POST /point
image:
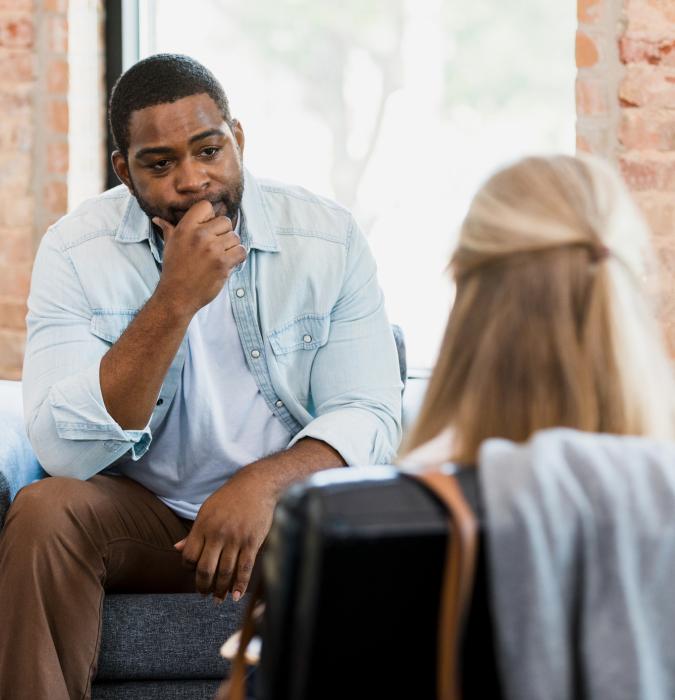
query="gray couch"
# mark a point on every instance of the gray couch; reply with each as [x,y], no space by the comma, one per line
[153,645]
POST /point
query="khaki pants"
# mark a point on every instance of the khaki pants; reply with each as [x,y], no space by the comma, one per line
[64,543]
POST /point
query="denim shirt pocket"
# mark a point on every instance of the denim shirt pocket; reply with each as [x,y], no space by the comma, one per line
[295,345]
[307,332]
[109,325]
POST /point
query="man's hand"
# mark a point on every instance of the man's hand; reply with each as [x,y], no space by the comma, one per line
[199,254]
[228,532]
[234,521]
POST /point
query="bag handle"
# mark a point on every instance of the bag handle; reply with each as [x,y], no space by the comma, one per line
[236,686]
[458,576]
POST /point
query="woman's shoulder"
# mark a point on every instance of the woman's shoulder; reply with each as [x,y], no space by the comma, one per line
[436,451]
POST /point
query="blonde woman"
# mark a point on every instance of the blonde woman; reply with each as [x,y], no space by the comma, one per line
[552,323]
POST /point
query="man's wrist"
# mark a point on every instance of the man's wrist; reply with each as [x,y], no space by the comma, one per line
[279,471]
[175,310]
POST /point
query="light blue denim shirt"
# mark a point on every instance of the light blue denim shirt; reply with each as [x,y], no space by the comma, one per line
[307,305]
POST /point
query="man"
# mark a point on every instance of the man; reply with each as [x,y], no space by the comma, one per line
[197,341]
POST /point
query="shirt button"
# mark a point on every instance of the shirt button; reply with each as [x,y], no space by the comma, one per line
[240,292]
[160,402]
[279,403]
[307,338]
[255,354]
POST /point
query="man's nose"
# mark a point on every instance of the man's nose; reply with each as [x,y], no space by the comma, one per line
[191,176]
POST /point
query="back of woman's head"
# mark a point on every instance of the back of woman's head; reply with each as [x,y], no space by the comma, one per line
[552,323]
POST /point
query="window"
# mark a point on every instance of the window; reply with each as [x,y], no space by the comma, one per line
[399,109]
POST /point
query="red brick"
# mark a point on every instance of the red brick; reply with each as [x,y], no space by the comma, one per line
[655,171]
[589,11]
[56,197]
[655,17]
[58,34]
[15,170]
[18,66]
[591,97]
[57,116]
[13,314]
[15,98]
[16,245]
[641,50]
[57,76]
[16,135]
[659,210]
[16,32]
[60,6]
[586,51]
[16,209]
[57,158]
[647,129]
[644,85]
[15,281]
[16,5]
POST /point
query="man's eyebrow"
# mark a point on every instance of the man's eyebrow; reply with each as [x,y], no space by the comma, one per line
[206,134]
[159,150]
[163,150]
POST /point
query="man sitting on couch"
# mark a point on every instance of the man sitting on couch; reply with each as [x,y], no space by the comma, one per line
[198,340]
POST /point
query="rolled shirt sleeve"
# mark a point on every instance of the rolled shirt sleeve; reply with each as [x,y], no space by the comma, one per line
[68,425]
[355,380]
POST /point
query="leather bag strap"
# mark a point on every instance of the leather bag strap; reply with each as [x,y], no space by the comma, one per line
[237,682]
[458,577]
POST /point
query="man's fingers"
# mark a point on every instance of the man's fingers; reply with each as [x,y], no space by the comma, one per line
[207,567]
[218,226]
[234,256]
[180,545]
[229,240]
[199,213]
[243,574]
[192,550]
[165,226]
[226,568]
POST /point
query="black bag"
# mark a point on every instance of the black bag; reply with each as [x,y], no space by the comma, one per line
[353,574]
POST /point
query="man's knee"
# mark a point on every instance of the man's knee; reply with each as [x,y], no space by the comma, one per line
[50,506]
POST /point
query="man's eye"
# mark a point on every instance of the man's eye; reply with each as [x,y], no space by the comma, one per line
[160,164]
[210,151]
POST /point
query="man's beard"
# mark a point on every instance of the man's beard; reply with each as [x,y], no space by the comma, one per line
[226,202]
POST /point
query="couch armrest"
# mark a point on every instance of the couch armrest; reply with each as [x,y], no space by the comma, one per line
[18,464]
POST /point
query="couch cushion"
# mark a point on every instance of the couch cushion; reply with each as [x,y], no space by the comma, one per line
[156,690]
[164,636]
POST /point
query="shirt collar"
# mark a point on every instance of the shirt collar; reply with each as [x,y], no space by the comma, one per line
[253,224]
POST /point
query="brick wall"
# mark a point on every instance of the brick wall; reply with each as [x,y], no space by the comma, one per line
[626,112]
[646,135]
[36,60]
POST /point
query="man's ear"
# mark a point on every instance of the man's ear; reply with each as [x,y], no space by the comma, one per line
[119,163]
[238,134]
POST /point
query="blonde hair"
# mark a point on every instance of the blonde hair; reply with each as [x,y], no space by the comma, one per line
[552,323]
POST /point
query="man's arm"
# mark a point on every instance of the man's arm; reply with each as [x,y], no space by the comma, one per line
[85,401]
[234,521]
[199,255]
[355,381]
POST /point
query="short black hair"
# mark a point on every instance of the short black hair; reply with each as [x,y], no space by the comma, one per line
[159,79]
